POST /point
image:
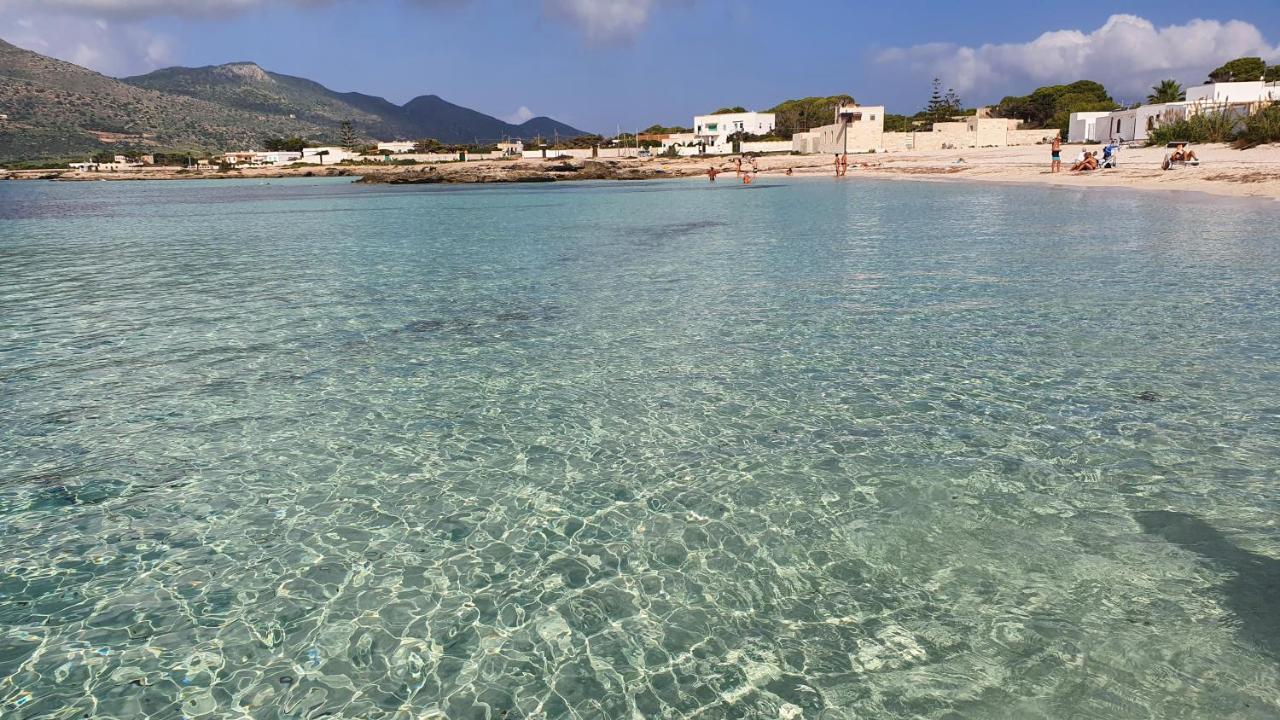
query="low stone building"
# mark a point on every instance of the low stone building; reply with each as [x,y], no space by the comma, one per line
[860,129]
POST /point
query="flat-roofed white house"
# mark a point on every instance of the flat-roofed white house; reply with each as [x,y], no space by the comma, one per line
[1136,124]
[856,129]
[1234,92]
[1084,126]
[714,130]
[514,148]
[277,157]
[326,155]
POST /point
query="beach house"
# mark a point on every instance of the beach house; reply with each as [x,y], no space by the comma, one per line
[326,155]
[860,129]
[1083,126]
[1136,124]
[1234,93]
[715,130]
[854,129]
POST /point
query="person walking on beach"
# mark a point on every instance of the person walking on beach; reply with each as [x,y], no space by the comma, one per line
[837,164]
[844,164]
[1056,165]
[737,163]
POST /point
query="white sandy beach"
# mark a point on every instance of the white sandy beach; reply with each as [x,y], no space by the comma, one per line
[1224,171]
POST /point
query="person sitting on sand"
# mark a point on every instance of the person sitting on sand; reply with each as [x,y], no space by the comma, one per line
[1090,162]
[788,173]
[1182,154]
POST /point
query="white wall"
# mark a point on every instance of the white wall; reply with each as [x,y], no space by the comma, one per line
[767,146]
[1083,127]
[586,153]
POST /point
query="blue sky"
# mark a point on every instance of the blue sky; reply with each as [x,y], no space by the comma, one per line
[601,64]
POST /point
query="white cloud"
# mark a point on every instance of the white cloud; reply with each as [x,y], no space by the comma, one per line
[1128,54]
[603,20]
[108,47]
[524,114]
[152,8]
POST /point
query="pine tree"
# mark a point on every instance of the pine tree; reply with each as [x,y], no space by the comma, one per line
[937,103]
[953,102]
[941,105]
[348,135]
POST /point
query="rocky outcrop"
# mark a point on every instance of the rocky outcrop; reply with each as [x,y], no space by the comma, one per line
[525,172]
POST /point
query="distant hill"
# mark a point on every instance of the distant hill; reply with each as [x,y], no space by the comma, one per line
[59,109]
[56,108]
[246,86]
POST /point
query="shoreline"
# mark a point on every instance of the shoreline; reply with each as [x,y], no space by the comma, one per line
[1224,172]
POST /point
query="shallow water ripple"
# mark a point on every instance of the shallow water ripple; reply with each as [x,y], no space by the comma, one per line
[663,450]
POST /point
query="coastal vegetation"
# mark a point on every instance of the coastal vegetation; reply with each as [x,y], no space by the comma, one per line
[1166,92]
[799,115]
[1246,69]
[942,106]
[1259,127]
[1051,106]
[290,144]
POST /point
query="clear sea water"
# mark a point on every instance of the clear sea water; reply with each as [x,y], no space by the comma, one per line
[812,449]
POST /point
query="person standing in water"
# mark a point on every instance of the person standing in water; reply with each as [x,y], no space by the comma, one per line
[844,164]
[837,164]
[712,172]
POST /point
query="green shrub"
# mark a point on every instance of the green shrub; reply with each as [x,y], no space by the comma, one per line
[1214,126]
[1260,128]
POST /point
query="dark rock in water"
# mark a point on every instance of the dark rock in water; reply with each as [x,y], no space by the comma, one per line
[425,326]
[1148,396]
[513,317]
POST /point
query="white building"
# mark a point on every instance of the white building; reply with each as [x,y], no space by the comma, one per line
[325,155]
[281,157]
[1136,124]
[714,130]
[1234,92]
[1083,127]
[856,129]
[399,146]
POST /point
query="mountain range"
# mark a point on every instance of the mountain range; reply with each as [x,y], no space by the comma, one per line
[57,109]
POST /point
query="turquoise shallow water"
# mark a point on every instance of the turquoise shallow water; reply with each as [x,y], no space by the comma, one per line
[811,450]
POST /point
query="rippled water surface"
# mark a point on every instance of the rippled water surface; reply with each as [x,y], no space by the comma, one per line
[811,450]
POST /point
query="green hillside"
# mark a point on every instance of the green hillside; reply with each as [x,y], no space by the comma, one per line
[56,110]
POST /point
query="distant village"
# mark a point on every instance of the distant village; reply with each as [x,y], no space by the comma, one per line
[853,128]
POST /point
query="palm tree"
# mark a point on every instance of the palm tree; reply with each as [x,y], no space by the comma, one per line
[1166,92]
